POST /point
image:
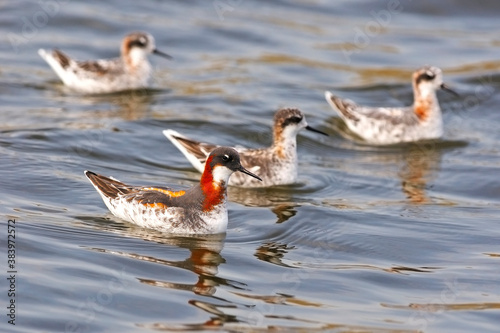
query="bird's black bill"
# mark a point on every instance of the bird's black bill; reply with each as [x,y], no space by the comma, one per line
[242,169]
[309,128]
[161,54]
[448,89]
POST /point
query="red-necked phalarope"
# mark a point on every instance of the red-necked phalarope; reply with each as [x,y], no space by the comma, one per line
[130,71]
[277,164]
[200,209]
[381,126]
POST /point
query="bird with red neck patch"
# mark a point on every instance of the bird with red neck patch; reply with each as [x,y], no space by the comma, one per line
[277,164]
[130,71]
[391,125]
[200,209]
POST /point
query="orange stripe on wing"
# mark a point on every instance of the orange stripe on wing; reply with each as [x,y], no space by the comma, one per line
[157,205]
[167,192]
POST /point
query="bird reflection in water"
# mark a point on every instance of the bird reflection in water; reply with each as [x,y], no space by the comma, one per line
[421,162]
[204,261]
[127,105]
[278,199]
[273,252]
[134,105]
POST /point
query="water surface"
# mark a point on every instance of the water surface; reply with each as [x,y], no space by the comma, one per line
[371,239]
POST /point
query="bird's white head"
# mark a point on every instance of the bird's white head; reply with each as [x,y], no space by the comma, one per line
[289,122]
[427,80]
[137,45]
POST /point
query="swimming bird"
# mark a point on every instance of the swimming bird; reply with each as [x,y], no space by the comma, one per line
[200,209]
[390,125]
[277,165]
[131,70]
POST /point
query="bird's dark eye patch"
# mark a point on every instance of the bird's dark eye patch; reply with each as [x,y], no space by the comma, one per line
[292,120]
[226,158]
[427,76]
[140,42]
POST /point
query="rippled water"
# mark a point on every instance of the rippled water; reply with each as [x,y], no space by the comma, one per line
[395,239]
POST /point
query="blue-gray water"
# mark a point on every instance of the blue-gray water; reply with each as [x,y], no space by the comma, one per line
[398,239]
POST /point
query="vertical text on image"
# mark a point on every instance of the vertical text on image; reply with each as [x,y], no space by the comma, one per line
[11,271]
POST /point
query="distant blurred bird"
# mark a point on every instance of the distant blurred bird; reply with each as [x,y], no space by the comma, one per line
[131,70]
[277,165]
[384,125]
